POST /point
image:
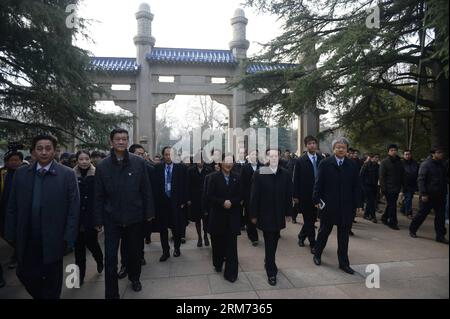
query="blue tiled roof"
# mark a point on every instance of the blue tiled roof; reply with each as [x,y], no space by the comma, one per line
[265,67]
[176,55]
[184,56]
[113,64]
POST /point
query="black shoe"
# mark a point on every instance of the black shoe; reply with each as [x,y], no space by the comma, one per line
[384,222]
[374,220]
[148,241]
[317,260]
[231,279]
[351,233]
[12,264]
[347,269]
[412,234]
[176,253]
[100,267]
[313,250]
[206,239]
[136,285]
[218,269]
[164,256]
[394,227]
[255,243]
[2,283]
[183,240]
[301,242]
[143,262]
[199,243]
[442,240]
[294,221]
[272,281]
[354,221]
[122,272]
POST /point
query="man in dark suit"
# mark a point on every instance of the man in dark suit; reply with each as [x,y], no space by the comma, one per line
[138,150]
[224,197]
[171,183]
[304,179]
[246,182]
[42,218]
[123,201]
[270,206]
[337,192]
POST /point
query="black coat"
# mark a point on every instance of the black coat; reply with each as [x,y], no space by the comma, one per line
[60,204]
[176,217]
[221,220]
[392,175]
[195,186]
[369,175]
[123,192]
[411,173]
[246,181]
[433,178]
[86,186]
[340,189]
[304,182]
[271,198]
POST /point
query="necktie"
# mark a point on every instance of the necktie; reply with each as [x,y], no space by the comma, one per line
[340,162]
[227,179]
[42,171]
[168,180]
[314,165]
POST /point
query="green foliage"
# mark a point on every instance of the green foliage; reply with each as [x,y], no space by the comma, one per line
[44,86]
[342,64]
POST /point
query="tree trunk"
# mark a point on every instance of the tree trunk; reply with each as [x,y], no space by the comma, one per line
[439,114]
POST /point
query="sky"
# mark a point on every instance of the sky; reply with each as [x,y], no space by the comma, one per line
[203,24]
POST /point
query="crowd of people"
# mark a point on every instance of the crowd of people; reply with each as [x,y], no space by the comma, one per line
[53,204]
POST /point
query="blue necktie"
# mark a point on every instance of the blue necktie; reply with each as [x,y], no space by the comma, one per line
[340,162]
[227,179]
[314,165]
[168,180]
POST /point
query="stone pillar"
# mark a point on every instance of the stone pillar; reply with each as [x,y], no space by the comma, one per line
[145,109]
[308,124]
[239,46]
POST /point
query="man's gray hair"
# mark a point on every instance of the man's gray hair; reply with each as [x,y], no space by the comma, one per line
[340,140]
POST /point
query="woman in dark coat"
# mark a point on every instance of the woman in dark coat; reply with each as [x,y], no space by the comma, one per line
[196,180]
[270,206]
[224,197]
[87,234]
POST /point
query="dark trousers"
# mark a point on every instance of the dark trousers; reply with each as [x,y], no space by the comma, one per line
[295,211]
[198,226]
[370,195]
[42,281]
[224,249]
[131,237]
[87,239]
[436,202]
[252,232]
[243,217]
[390,213]
[342,238]
[148,230]
[308,230]
[177,230]
[270,245]
[407,203]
